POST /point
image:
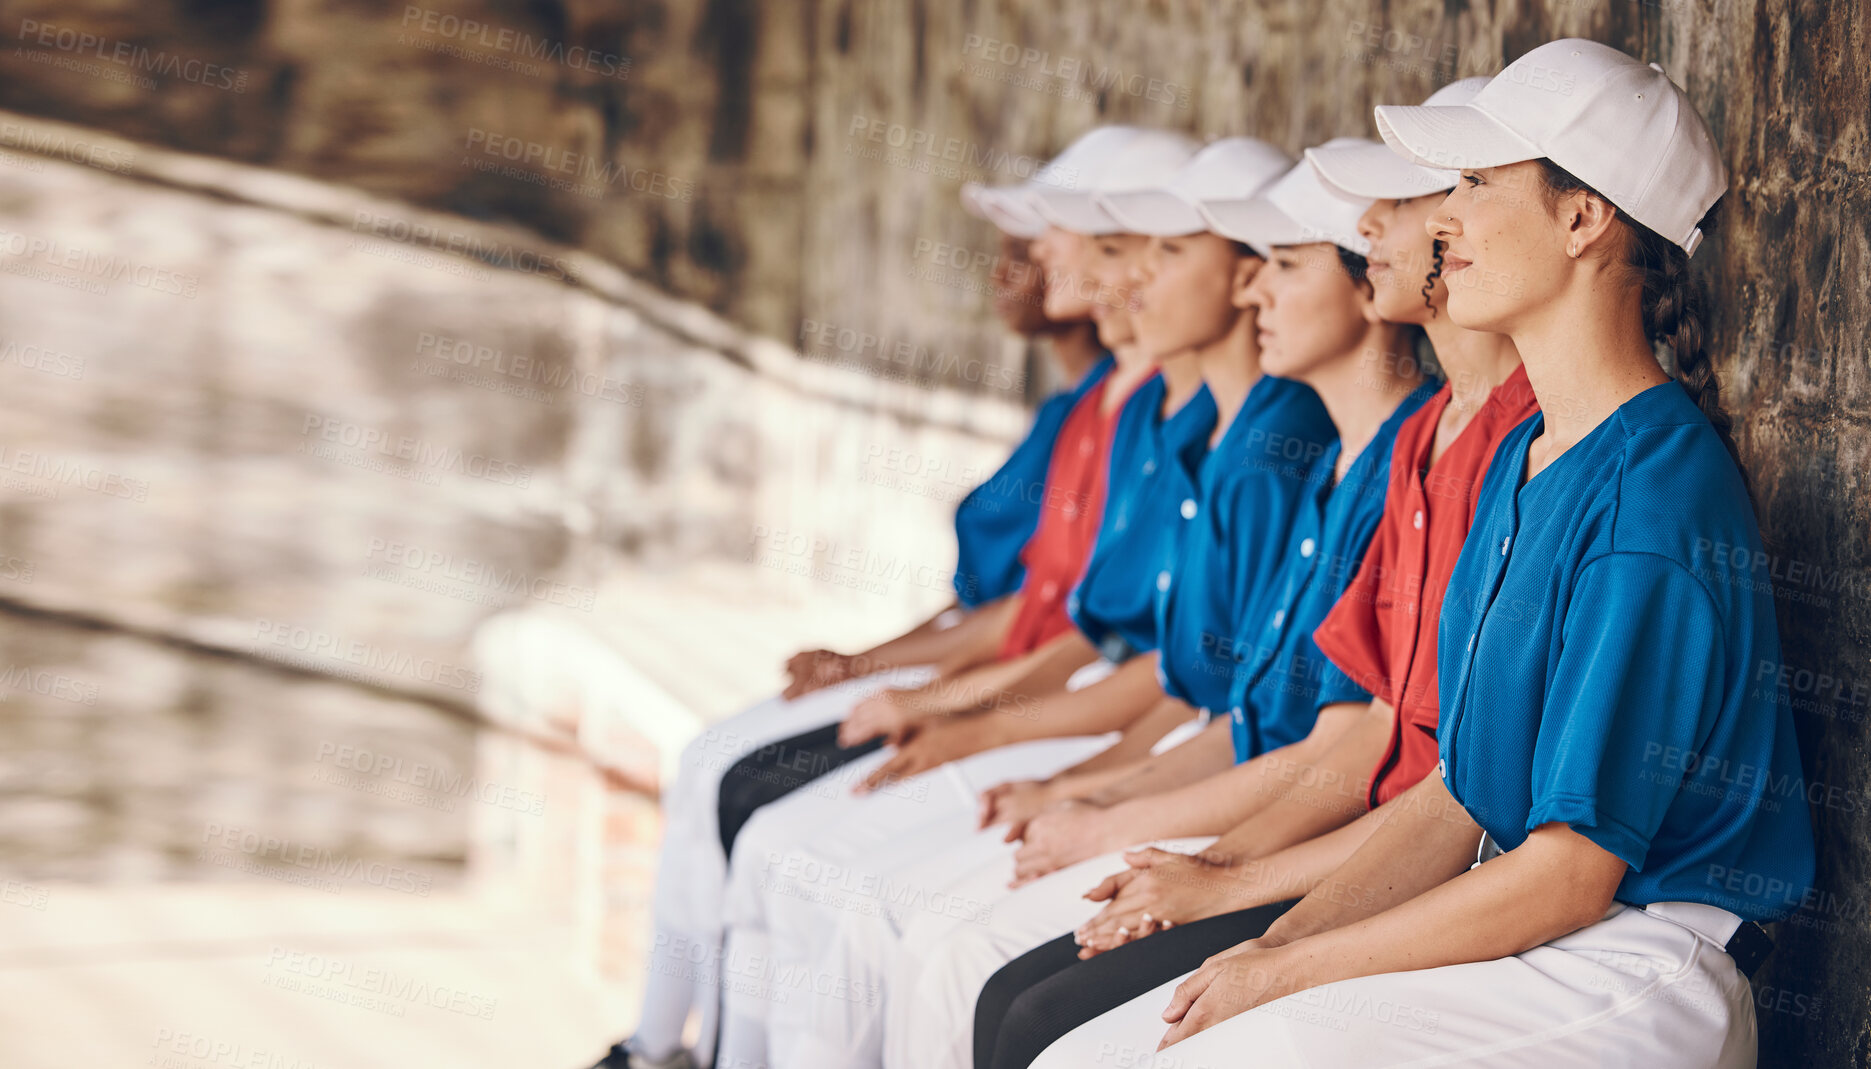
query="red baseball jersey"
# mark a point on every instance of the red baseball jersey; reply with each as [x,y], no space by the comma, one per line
[1068,523]
[1382,632]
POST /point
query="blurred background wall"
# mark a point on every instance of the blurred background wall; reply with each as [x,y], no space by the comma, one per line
[331,332]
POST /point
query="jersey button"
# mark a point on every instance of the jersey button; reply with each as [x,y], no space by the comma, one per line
[1084,447]
[1071,511]
[1162,580]
[1306,547]
[1049,590]
[1071,604]
[1238,713]
[1188,508]
[1149,466]
[1442,770]
[1417,521]
[1471,643]
[1279,617]
[1504,543]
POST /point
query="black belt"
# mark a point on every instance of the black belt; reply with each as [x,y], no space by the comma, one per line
[1749,946]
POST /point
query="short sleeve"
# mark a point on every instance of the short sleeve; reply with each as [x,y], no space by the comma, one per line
[1352,635]
[1638,683]
[1335,686]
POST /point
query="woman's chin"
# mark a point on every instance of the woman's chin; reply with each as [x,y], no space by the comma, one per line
[1470,312]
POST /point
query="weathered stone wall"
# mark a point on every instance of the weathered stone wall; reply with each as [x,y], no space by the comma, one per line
[733,163]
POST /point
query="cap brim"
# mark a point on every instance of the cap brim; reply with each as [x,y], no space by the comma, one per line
[1375,172]
[1074,211]
[1451,138]
[1004,208]
[1156,212]
[1261,226]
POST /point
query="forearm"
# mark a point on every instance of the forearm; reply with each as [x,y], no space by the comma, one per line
[1220,803]
[1112,704]
[1302,869]
[1043,673]
[976,640]
[1124,758]
[926,643]
[1553,884]
[1125,755]
[965,690]
[1301,794]
[1421,839]
[1207,753]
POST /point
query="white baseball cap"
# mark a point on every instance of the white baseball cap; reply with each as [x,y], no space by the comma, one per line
[1009,208]
[1367,170]
[1296,209]
[997,204]
[1116,159]
[1231,168]
[1619,125]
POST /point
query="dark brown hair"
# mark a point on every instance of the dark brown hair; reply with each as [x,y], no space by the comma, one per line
[1436,249]
[1675,303]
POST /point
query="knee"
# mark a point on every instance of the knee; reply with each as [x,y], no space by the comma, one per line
[1009,988]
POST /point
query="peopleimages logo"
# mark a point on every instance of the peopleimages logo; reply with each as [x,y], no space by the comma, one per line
[64,471]
[503,39]
[41,359]
[528,369]
[423,458]
[139,58]
[313,650]
[391,990]
[953,152]
[77,149]
[1040,67]
[315,860]
[48,684]
[193,1050]
[430,777]
[478,574]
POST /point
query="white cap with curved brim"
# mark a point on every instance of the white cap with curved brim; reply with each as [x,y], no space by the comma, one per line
[1233,167]
[1125,158]
[1296,209]
[1619,125]
[1369,170]
[1014,208]
[997,204]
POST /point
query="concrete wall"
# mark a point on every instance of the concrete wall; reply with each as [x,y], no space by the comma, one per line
[732,163]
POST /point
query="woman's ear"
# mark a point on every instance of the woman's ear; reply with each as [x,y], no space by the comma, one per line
[1245,268]
[1587,220]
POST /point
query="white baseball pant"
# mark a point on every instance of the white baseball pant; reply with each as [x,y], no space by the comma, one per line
[1646,988]
[682,973]
[805,860]
[933,1027]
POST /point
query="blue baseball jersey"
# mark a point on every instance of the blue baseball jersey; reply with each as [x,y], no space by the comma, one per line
[993,523]
[1603,664]
[1114,603]
[1240,501]
[1283,680]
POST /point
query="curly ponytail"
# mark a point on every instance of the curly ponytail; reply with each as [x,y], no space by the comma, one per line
[1675,305]
[1437,248]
